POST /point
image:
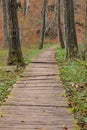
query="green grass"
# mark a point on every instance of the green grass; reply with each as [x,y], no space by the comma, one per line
[8,78]
[73,73]
[3,57]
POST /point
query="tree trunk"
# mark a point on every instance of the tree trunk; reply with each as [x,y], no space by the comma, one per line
[4,22]
[84,39]
[15,54]
[18,3]
[60,36]
[46,17]
[43,25]
[28,6]
[54,17]
[70,32]
[85,44]
[25,5]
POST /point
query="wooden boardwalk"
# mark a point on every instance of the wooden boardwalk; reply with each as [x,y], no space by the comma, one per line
[37,101]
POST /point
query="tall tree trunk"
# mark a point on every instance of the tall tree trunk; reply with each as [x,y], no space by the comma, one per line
[28,6]
[15,54]
[85,44]
[4,22]
[60,36]
[43,25]
[46,17]
[54,17]
[84,40]
[25,5]
[70,32]
[18,3]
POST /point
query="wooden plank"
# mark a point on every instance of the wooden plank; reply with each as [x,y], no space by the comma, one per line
[37,101]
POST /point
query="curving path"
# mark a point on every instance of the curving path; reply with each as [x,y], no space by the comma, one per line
[37,101]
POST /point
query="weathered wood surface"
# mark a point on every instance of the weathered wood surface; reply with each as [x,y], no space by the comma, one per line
[37,101]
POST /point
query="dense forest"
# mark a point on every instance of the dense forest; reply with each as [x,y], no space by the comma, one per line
[28,27]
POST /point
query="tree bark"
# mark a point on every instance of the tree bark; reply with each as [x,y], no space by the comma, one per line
[28,6]
[43,25]
[18,3]
[25,5]
[4,22]
[70,32]
[15,54]
[84,39]
[60,36]
[46,17]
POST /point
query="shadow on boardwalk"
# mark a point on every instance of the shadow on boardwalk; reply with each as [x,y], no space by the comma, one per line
[37,101]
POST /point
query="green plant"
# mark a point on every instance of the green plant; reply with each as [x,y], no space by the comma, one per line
[73,73]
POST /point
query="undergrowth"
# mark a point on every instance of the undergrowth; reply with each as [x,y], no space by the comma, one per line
[9,76]
[73,73]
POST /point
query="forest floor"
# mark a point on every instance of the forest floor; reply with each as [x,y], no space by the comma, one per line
[38,100]
[73,73]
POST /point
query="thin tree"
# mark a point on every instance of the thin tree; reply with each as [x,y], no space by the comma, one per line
[54,21]
[18,3]
[43,24]
[15,54]
[4,22]
[25,7]
[28,6]
[46,17]
[60,35]
[70,31]
[85,44]
[85,35]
